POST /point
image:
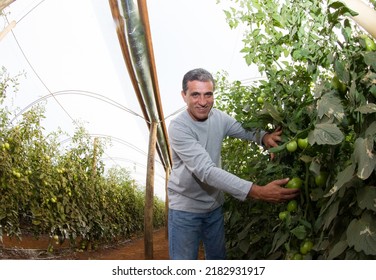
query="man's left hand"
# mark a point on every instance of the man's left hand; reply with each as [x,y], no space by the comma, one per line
[272,139]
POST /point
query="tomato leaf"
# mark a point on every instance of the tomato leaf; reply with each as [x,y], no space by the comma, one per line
[244,246]
[341,72]
[364,157]
[306,158]
[331,214]
[371,130]
[330,106]
[338,249]
[271,111]
[300,232]
[370,59]
[279,239]
[337,5]
[367,198]
[305,223]
[367,109]
[342,178]
[362,234]
[326,134]
[316,194]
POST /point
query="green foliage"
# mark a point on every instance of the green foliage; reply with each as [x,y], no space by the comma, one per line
[46,188]
[320,83]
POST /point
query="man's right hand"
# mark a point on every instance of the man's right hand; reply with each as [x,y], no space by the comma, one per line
[273,191]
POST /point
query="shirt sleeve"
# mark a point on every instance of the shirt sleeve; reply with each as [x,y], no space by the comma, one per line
[235,129]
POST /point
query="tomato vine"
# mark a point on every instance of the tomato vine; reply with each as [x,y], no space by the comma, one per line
[301,47]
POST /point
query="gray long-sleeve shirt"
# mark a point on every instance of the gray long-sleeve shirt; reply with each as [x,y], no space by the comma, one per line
[197,183]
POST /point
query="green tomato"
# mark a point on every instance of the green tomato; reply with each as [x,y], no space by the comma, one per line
[294,183]
[370,44]
[283,215]
[297,256]
[321,178]
[303,143]
[291,146]
[306,247]
[338,85]
[16,173]
[292,206]
[260,100]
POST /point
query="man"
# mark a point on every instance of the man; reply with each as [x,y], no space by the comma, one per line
[197,183]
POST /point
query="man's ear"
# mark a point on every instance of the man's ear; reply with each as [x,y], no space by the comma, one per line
[184,95]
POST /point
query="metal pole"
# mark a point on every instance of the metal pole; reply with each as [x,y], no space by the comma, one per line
[5,3]
[366,17]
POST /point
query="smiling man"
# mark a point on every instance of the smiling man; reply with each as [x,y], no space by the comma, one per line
[197,183]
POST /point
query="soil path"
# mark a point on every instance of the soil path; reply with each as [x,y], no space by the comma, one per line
[29,248]
[132,250]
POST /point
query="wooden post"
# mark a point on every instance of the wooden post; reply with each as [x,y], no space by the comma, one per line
[149,193]
[166,201]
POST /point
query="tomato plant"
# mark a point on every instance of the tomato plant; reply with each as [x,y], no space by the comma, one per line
[319,85]
[63,192]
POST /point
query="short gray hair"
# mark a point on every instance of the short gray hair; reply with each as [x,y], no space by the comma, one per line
[197,74]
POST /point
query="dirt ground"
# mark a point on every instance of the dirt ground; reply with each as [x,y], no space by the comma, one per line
[30,248]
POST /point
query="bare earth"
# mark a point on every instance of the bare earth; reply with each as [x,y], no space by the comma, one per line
[30,248]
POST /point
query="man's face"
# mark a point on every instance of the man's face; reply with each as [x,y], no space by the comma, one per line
[199,98]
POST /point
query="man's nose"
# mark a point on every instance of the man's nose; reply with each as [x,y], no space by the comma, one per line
[202,100]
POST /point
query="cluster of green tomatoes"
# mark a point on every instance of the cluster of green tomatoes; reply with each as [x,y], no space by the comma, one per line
[302,143]
[292,206]
[297,183]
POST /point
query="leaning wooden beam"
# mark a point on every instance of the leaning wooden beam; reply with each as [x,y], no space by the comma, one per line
[7,29]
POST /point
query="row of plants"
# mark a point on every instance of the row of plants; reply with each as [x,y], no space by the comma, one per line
[51,187]
[320,88]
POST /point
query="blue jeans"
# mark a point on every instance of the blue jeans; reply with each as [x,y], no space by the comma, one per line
[186,230]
